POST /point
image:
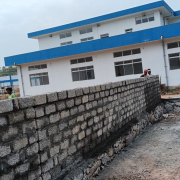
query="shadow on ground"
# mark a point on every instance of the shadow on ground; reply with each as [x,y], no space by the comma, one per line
[155,154]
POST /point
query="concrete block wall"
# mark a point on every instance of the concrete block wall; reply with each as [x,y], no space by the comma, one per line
[46,135]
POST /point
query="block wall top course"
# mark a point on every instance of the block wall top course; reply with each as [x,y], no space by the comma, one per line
[38,100]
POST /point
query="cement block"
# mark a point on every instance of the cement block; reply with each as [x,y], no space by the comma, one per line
[62,95]
[11,132]
[54,118]
[3,121]
[71,93]
[33,149]
[26,102]
[20,143]
[50,109]
[22,169]
[39,112]
[4,150]
[13,159]
[40,99]
[79,92]
[6,106]
[52,97]
[30,113]
[61,105]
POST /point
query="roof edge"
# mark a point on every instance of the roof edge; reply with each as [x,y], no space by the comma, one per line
[101,18]
[168,31]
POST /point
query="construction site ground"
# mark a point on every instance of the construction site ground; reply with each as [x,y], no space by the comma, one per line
[155,154]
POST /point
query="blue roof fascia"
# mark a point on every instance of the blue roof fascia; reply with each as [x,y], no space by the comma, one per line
[169,8]
[177,13]
[101,18]
[137,37]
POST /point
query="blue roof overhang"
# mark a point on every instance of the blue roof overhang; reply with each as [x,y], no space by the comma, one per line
[137,37]
[98,19]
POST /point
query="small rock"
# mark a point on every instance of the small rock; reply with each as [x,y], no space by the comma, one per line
[169,107]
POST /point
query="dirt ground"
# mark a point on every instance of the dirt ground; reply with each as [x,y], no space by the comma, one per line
[155,154]
[170,96]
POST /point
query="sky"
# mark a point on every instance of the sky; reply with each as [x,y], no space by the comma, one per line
[19,17]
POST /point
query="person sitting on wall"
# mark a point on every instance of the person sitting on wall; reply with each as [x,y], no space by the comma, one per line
[9,91]
[145,73]
[149,73]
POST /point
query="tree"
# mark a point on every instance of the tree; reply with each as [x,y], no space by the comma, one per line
[8,71]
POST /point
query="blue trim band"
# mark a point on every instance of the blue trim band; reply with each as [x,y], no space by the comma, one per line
[12,80]
[177,13]
[147,35]
[102,18]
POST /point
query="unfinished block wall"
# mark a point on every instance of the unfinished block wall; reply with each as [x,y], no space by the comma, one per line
[43,136]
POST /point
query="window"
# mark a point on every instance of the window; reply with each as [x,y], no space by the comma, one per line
[127,53]
[104,35]
[39,79]
[66,43]
[42,66]
[151,17]
[128,30]
[138,20]
[144,18]
[125,68]
[81,60]
[83,73]
[173,45]
[65,35]
[87,39]
[84,31]
[174,61]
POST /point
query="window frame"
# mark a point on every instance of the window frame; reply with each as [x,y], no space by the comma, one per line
[40,65]
[87,39]
[126,63]
[82,69]
[130,30]
[174,57]
[102,36]
[39,75]
[122,52]
[85,60]
[148,16]
[86,30]
[65,35]
[173,43]
[66,43]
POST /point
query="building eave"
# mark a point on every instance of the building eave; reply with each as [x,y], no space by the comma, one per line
[148,35]
[98,19]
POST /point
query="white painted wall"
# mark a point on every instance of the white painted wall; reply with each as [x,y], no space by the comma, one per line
[60,77]
[174,20]
[113,27]
[173,75]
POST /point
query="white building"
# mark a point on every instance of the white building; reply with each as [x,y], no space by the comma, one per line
[103,49]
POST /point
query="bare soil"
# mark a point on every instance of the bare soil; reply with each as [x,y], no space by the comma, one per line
[155,154]
[170,96]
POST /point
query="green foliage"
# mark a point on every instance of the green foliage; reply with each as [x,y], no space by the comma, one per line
[8,71]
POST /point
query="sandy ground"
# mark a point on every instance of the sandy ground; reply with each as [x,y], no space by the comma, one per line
[170,96]
[155,154]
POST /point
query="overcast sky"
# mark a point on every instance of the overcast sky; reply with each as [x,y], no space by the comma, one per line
[19,17]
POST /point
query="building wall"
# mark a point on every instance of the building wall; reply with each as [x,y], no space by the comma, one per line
[174,20]
[113,27]
[45,136]
[173,75]
[60,76]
